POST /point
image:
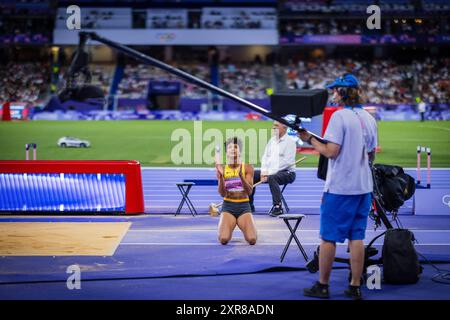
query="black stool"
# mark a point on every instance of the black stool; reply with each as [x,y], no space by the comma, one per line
[298,218]
[185,194]
[285,205]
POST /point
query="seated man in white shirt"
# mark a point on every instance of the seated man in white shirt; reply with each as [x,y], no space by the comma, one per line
[277,166]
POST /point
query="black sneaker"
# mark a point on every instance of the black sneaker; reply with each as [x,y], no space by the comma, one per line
[318,290]
[276,211]
[354,292]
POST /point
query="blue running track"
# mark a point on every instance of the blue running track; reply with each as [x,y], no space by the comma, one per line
[303,196]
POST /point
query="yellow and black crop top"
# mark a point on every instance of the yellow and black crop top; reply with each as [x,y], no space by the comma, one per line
[233,182]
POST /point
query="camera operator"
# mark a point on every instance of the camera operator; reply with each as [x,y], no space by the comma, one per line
[352,137]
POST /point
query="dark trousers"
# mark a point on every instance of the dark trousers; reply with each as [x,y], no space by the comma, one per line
[274,181]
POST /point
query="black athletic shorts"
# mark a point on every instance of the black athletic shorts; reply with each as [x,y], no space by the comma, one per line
[236,208]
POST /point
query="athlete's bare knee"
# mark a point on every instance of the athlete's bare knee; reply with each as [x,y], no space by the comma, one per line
[251,239]
[224,239]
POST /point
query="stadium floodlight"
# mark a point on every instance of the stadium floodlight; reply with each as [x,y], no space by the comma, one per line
[80,58]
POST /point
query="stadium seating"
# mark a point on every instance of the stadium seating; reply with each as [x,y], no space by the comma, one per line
[436,6]
[428,26]
[247,81]
[167,18]
[383,81]
[396,6]
[238,18]
[24,82]
[102,75]
[98,18]
[352,6]
[35,28]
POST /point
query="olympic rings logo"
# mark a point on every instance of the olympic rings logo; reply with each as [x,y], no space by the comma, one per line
[166,37]
[446,200]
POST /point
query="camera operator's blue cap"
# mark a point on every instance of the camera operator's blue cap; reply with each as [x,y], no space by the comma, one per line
[347,80]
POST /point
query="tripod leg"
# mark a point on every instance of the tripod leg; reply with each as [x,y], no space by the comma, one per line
[381,213]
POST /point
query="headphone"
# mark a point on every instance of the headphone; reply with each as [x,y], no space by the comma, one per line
[343,92]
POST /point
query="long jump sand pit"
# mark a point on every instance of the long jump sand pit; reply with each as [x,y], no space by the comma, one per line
[61,238]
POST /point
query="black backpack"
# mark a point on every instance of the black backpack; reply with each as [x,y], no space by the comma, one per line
[400,260]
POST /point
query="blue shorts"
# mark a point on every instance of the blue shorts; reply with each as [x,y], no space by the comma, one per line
[344,216]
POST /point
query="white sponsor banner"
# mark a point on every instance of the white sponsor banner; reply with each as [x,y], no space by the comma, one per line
[174,36]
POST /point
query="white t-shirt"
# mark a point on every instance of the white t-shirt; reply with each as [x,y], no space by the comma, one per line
[422,107]
[349,173]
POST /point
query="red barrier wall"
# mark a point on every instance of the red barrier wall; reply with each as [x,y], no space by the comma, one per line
[134,198]
[327,112]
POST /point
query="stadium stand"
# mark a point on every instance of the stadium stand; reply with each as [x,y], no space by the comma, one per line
[383,81]
[396,6]
[239,18]
[26,23]
[248,81]
[428,26]
[349,6]
[98,18]
[400,84]
[320,26]
[24,82]
[436,6]
[102,75]
[167,19]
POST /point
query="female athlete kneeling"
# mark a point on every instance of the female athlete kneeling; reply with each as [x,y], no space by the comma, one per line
[235,186]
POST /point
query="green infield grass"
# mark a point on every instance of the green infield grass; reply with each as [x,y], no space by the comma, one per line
[153,142]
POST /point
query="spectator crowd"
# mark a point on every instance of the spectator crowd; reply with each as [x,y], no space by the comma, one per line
[383,81]
[396,26]
[24,82]
[247,81]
